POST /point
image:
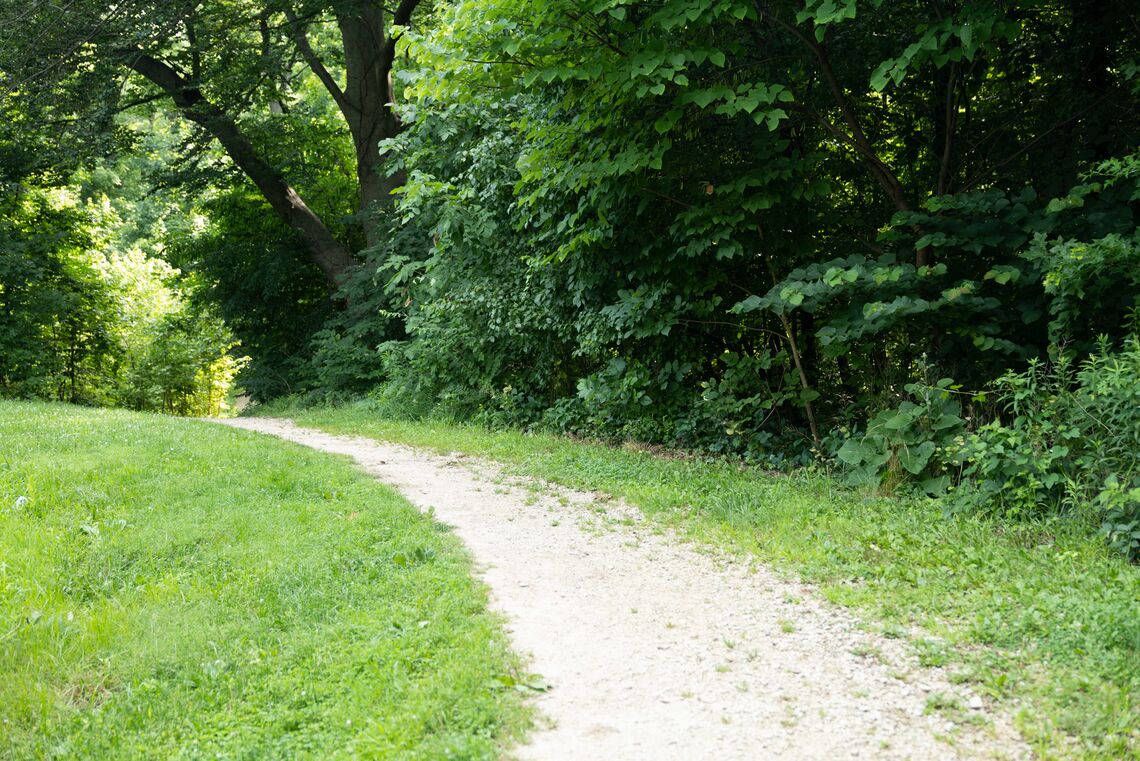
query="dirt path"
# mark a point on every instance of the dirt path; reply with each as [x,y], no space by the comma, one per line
[656,651]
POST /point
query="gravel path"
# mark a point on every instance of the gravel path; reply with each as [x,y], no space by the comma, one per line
[655,650]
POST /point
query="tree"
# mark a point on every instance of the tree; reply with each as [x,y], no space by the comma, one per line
[57,311]
[750,201]
[219,65]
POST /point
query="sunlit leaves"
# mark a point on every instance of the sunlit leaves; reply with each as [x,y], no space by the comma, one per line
[947,40]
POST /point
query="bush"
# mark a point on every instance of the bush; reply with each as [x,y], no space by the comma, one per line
[1071,446]
[187,367]
[908,443]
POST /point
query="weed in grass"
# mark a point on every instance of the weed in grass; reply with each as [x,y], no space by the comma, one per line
[942,702]
[893,631]
[868,651]
[960,677]
[931,653]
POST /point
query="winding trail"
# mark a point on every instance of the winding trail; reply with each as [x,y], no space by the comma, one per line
[658,651]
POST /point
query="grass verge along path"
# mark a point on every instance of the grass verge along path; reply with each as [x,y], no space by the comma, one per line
[172,588]
[1034,614]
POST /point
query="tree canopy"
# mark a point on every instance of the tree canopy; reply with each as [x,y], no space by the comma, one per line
[788,230]
[218,65]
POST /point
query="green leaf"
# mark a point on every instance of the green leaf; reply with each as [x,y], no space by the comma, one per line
[792,296]
[947,420]
[879,79]
[854,452]
[703,97]
[914,459]
[667,121]
[935,486]
[899,420]
[774,117]
[750,304]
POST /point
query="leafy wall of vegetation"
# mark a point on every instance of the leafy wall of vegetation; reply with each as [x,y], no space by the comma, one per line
[93,312]
[897,234]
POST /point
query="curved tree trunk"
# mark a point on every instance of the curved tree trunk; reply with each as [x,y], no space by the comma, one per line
[367,97]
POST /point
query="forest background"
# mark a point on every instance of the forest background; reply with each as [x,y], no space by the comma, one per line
[897,238]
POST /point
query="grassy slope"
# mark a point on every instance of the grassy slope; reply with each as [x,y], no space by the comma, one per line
[1038,616]
[175,589]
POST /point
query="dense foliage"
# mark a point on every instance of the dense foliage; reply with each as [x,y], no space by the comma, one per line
[92,313]
[782,230]
[771,228]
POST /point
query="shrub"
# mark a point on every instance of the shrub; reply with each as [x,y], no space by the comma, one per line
[1071,446]
[186,368]
[908,443]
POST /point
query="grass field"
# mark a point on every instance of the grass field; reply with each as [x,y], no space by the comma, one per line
[1038,615]
[174,589]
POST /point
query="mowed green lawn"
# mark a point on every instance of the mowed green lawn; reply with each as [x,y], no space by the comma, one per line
[175,589]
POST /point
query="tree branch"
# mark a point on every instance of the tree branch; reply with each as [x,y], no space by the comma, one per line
[404,12]
[195,52]
[951,117]
[859,141]
[401,17]
[324,250]
[1025,148]
[301,40]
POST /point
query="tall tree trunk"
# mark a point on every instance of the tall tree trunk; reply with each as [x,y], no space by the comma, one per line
[367,98]
[368,91]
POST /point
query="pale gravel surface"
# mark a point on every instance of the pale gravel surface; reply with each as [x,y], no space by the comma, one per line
[657,650]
